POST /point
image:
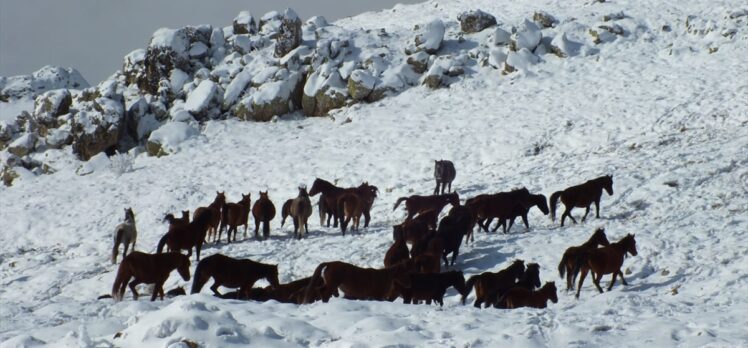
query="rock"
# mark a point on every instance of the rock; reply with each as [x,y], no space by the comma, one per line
[419,62]
[520,60]
[198,50]
[167,138]
[235,89]
[324,90]
[8,175]
[316,22]
[24,145]
[527,36]
[430,37]
[455,71]
[204,102]
[97,123]
[544,19]
[50,105]
[433,79]
[475,21]
[273,98]
[605,33]
[496,58]
[563,47]
[289,33]
[501,37]
[360,84]
[45,79]
[244,23]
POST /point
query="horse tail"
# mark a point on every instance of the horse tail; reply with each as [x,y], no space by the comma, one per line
[313,282]
[224,218]
[562,266]
[120,281]
[285,211]
[199,278]
[341,211]
[161,243]
[469,287]
[117,240]
[398,202]
[554,201]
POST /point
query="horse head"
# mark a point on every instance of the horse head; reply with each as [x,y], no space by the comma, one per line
[186,215]
[129,215]
[517,268]
[608,184]
[220,197]
[631,244]
[533,270]
[264,195]
[302,191]
[458,281]
[600,238]
[541,202]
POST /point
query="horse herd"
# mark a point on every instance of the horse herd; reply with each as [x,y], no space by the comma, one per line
[413,274]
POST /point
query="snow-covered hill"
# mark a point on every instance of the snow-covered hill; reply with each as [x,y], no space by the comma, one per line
[662,107]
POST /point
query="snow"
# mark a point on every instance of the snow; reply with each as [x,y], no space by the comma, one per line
[10,111]
[653,108]
[528,35]
[430,39]
[172,134]
[175,39]
[201,97]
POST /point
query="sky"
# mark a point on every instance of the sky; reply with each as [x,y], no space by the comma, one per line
[94,35]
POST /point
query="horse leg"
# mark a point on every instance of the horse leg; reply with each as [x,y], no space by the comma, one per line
[124,253]
[296,233]
[613,281]
[569,277]
[524,220]
[198,247]
[450,186]
[436,189]
[367,218]
[266,229]
[623,281]
[132,285]
[587,211]
[214,288]
[257,229]
[454,256]
[581,280]
[567,212]
[596,280]
[245,231]
[156,292]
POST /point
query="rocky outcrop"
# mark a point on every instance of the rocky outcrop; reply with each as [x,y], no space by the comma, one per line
[45,79]
[475,21]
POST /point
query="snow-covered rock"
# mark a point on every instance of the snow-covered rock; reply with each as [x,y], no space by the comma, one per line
[96,123]
[527,36]
[167,138]
[324,90]
[501,37]
[430,36]
[419,61]
[244,23]
[289,33]
[204,101]
[544,19]
[475,21]
[563,47]
[273,98]
[50,105]
[520,60]
[361,83]
[45,79]
[24,145]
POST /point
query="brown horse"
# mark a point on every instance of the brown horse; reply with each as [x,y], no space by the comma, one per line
[413,230]
[285,211]
[430,287]
[149,269]
[350,207]
[214,210]
[176,221]
[603,261]
[263,211]
[420,204]
[356,282]
[186,236]
[328,203]
[520,297]
[571,254]
[284,293]
[521,210]
[427,263]
[503,205]
[235,215]
[487,283]
[232,273]
[529,280]
[300,210]
[582,196]
[452,228]
[396,253]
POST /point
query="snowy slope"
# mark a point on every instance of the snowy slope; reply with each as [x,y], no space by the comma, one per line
[651,108]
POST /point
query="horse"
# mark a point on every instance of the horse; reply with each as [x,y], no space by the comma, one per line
[232,273]
[420,204]
[520,210]
[499,205]
[396,253]
[186,236]
[300,210]
[582,196]
[413,230]
[603,261]
[284,293]
[324,212]
[487,283]
[285,211]
[328,201]
[214,210]
[263,211]
[520,297]
[149,269]
[350,206]
[430,287]
[452,228]
[444,173]
[235,215]
[357,283]
[125,233]
[172,220]
[529,280]
[570,255]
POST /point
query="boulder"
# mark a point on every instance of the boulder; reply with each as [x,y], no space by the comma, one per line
[204,101]
[360,84]
[50,105]
[24,145]
[475,21]
[289,33]
[544,19]
[272,98]
[563,47]
[430,36]
[324,90]
[527,36]
[501,37]
[419,61]
[167,138]
[244,23]
[520,60]
[96,125]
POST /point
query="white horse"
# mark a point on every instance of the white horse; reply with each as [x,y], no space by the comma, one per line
[125,233]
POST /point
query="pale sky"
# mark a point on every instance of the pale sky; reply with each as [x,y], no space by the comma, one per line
[94,35]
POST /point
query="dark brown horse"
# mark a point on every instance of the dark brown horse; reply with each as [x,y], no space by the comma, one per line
[232,273]
[503,205]
[356,282]
[286,211]
[235,215]
[214,210]
[396,253]
[350,206]
[444,174]
[582,196]
[176,221]
[520,297]
[284,293]
[413,230]
[488,283]
[187,236]
[452,229]
[420,204]
[430,287]
[300,211]
[148,269]
[605,260]
[529,280]
[328,203]
[521,210]
[566,266]
[263,211]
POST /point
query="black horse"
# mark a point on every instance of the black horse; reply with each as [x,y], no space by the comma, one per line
[444,173]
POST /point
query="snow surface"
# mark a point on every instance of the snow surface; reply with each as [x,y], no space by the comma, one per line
[656,110]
